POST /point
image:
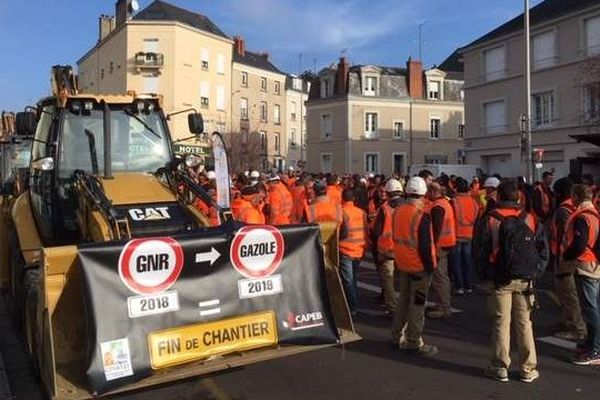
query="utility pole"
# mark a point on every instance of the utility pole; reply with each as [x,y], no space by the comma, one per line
[528,139]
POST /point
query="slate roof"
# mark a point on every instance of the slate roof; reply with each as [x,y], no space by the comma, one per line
[453,66]
[543,12]
[162,11]
[256,60]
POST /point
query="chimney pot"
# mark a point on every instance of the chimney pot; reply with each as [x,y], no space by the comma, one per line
[240,45]
[342,76]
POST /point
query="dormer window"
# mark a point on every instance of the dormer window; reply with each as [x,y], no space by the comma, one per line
[434,90]
[370,88]
[326,88]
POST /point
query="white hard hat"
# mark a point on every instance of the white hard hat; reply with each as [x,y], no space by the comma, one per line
[246,173]
[371,175]
[416,185]
[255,174]
[393,185]
[290,168]
[211,175]
[491,183]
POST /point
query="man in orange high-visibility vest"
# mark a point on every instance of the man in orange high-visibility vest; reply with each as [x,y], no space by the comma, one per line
[415,256]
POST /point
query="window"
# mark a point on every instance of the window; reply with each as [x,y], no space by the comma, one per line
[434,128]
[327,126]
[277,87]
[434,90]
[592,101]
[220,64]
[150,45]
[495,63]
[325,88]
[297,84]
[398,130]
[150,84]
[370,86]
[276,115]
[244,108]
[220,98]
[204,94]
[293,111]
[494,117]
[244,132]
[543,109]
[461,131]
[245,79]
[370,125]
[263,111]
[372,163]
[277,137]
[263,140]
[592,36]
[544,50]
[293,138]
[204,58]
[263,84]
[326,163]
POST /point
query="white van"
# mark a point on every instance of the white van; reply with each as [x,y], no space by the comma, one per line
[466,171]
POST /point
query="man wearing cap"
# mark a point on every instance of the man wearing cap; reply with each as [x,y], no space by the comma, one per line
[249,206]
[279,200]
[490,185]
[254,177]
[415,256]
[322,209]
[382,231]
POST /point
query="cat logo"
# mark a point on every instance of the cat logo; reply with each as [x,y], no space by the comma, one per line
[149,214]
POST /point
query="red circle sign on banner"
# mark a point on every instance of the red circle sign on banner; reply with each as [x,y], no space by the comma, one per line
[257,251]
[152,265]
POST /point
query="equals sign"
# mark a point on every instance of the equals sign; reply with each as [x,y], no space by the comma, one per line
[209,307]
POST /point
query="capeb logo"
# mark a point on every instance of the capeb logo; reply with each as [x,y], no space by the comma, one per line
[297,322]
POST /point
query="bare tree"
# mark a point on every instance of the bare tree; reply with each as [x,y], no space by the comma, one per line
[245,150]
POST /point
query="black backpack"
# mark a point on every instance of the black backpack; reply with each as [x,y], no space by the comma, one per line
[518,254]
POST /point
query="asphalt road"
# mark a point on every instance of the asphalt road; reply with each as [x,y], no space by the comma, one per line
[371,369]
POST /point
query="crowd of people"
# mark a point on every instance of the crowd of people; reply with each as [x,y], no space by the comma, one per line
[429,235]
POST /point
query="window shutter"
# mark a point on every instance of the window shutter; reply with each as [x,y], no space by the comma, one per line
[592,33]
[495,63]
[543,50]
[220,98]
[495,117]
[204,89]
[220,63]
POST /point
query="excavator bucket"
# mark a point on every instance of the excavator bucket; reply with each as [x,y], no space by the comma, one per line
[237,295]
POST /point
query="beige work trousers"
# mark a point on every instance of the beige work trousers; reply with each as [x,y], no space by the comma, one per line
[409,317]
[386,269]
[506,303]
[440,283]
[566,291]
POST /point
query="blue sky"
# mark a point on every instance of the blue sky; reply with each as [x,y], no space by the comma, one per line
[36,34]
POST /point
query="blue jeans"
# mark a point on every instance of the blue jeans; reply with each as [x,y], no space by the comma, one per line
[589,297]
[348,268]
[461,265]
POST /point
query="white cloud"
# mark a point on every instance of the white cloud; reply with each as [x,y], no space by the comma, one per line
[318,24]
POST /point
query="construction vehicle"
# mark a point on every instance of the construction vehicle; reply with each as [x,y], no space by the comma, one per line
[102,180]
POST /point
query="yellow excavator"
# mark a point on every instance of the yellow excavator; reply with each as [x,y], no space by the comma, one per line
[116,279]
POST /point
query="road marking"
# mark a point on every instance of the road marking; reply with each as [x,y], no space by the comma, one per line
[565,344]
[376,289]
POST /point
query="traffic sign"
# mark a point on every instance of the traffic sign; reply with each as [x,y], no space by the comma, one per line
[257,251]
[149,266]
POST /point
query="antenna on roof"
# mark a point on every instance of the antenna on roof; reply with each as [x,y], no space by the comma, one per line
[343,52]
[315,65]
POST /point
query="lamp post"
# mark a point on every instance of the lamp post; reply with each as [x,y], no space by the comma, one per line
[526,119]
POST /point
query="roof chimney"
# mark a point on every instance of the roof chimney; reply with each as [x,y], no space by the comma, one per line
[415,78]
[265,54]
[106,24]
[341,79]
[123,11]
[240,45]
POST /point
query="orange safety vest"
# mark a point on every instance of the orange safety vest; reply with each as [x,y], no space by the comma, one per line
[298,203]
[236,205]
[385,241]
[280,200]
[334,193]
[494,226]
[448,233]
[249,214]
[591,216]
[555,241]
[466,210]
[324,210]
[522,200]
[545,199]
[355,221]
[405,229]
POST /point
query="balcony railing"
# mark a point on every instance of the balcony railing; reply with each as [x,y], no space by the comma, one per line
[148,61]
